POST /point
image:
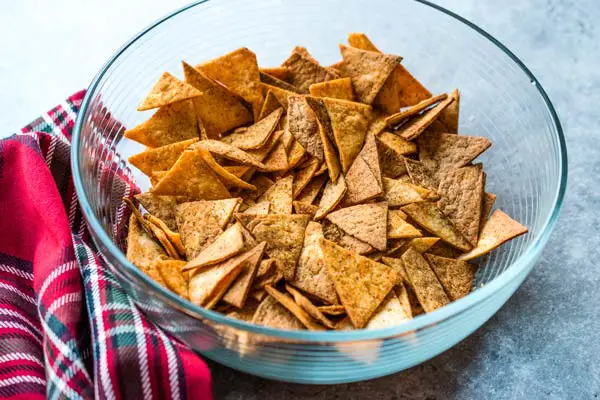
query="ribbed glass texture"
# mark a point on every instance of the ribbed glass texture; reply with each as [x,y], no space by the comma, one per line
[526,166]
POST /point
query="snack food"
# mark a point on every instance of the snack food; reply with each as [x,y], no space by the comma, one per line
[311,197]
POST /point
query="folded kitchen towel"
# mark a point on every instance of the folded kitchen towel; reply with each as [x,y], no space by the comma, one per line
[67,329]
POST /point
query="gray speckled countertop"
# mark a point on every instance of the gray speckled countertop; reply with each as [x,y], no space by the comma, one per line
[545,342]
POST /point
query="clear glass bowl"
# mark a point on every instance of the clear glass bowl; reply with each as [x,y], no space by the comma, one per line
[501,99]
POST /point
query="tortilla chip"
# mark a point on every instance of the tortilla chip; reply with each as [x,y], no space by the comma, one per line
[367,222]
[225,246]
[162,207]
[277,160]
[368,71]
[170,124]
[303,176]
[168,90]
[172,275]
[444,151]
[461,192]
[349,122]
[280,196]
[398,193]
[486,207]
[423,281]
[284,235]
[420,175]
[364,176]
[294,308]
[266,267]
[271,278]
[217,109]
[498,229]
[312,190]
[335,234]
[208,285]
[398,228]
[238,71]
[262,183]
[309,307]
[335,89]
[416,126]
[255,136]
[172,237]
[398,266]
[142,250]
[400,116]
[396,143]
[389,313]
[160,158]
[304,126]
[332,196]
[273,81]
[260,295]
[271,104]
[230,152]
[305,208]
[391,164]
[326,135]
[280,94]
[311,274]
[277,72]
[262,153]
[272,314]
[304,71]
[156,177]
[455,276]
[361,284]
[361,41]
[192,177]
[447,122]
[431,218]
[238,291]
[225,176]
[261,208]
[334,309]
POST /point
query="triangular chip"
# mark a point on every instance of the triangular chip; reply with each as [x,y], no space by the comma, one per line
[363,179]
[160,158]
[304,175]
[280,196]
[239,72]
[276,72]
[312,190]
[277,160]
[398,193]
[311,274]
[280,94]
[272,314]
[162,207]
[406,113]
[305,208]
[261,208]
[173,276]
[398,228]
[262,183]
[420,244]
[447,121]
[423,281]
[377,123]
[361,41]
[225,246]
[398,266]
[295,154]
[172,237]
[430,217]
[417,125]
[230,152]
[309,307]
[170,124]
[208,285]
[367,222]
[226,177]
[256,135]
[259,295]
[443,249]
[486,208]
[192,177]
[336,89]
[455,276]
[166,91]
[326,135]
[461,192]
[294,308]
[303,125]
[304,71]
[142,250]
[156,177]
[396,143]
[421,176]
[271,104]
[332,196]
[238,291]
[370,155]
[368,71]
[361,284]
[262,153]
[390,162]
[335,234]
[389,313]
[498,229]
[403,295]
[443,151]
[349,122]
[217,109]
[334,309]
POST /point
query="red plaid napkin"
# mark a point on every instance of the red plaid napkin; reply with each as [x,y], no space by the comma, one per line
[67,329]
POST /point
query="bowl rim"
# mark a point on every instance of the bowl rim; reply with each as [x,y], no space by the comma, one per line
[418,323]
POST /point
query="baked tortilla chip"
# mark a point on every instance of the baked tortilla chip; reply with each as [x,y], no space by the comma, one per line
[294,308]
[400,116]
[305,208]
[280,196]
[455,276]
[304,71]
[261,208]
[420,175]
[398,228]
[334,309]
[217,109]
[277,72]
[335,234]
[404,298]
[262,183]
[420,244]
[391,164]
[336,89]
[447,122]
[271,104]
[225,246]
[312,190]
[349,122]
[168,90]
[272,314]
[304,175]
[284,235]
[368,70]
[226,177]
[366,222]
[498,229]
[170,271]
[304,126]
[142,250]
[238,291]
[444,151]
[173,238]
[238,71]
[277,160]
[309,307]
[361,284]
[398,266]
[461,192]
[332,196]
[396,143]
[398,193]
[280,94]
[192,177]
[326,135]
[260,294]
[273,81]
[363,179]
[170,124]
[207,286]
[486,207]
[256,135]
[423,281]
[416,126]
[296,154]
[162,207]
[263,152]
[311,274]
[160,158]
[230,152]
[361,41]
[431,218]
[389,313]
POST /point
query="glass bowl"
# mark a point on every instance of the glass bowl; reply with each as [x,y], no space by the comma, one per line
[501,99]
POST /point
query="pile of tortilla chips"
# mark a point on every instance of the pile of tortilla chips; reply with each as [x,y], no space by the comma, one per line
[308,196]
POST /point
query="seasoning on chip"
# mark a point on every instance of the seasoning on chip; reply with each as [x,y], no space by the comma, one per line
[423,281]
[225,246]
[367,222]
[161,158]
[168,90]
[455,276]
[336,89]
